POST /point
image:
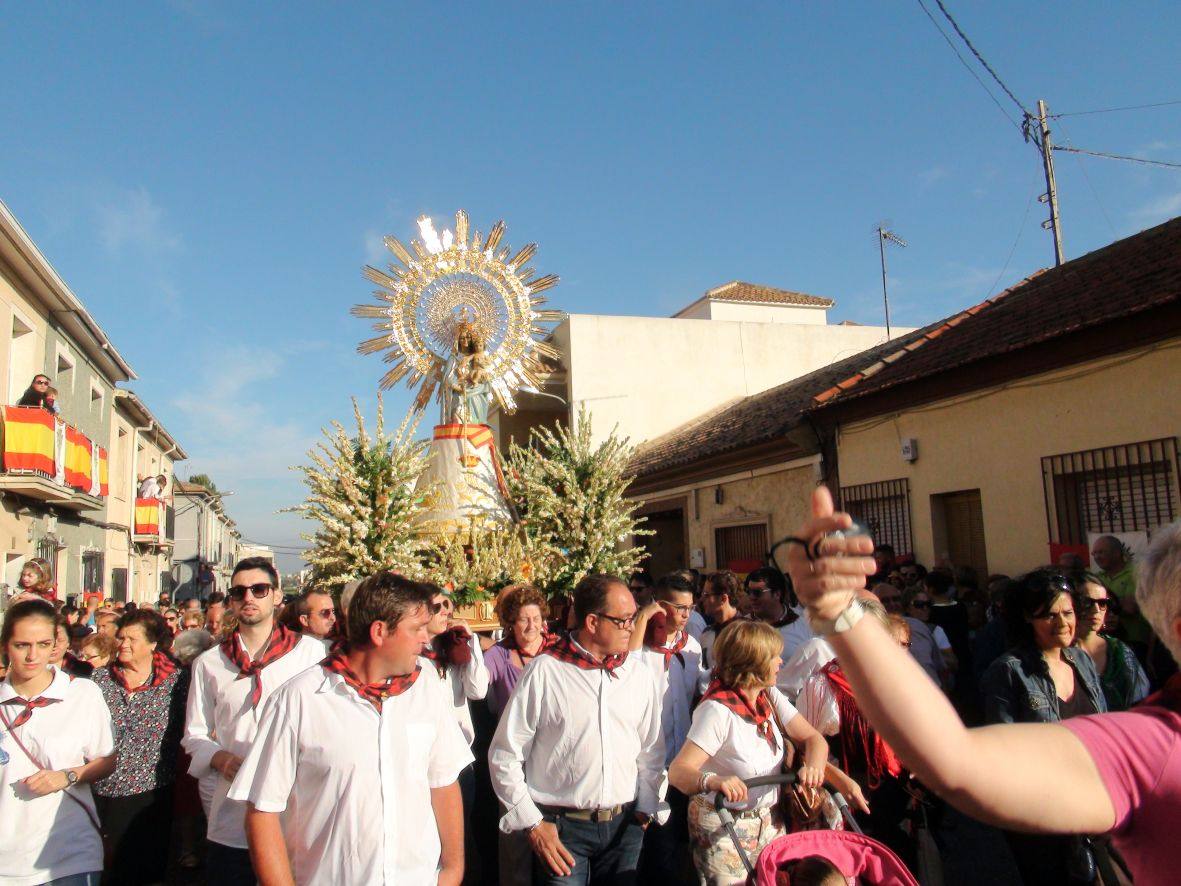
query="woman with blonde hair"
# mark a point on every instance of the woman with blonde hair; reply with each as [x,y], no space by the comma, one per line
[740,731]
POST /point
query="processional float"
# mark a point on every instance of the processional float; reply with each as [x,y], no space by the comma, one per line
[459,319]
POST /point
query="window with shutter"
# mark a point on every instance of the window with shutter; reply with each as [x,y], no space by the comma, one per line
[741,548]
[963,519]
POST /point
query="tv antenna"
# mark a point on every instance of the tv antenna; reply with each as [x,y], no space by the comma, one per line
[885,235]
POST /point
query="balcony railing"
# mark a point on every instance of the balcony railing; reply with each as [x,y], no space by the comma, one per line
[47,459]
[153,522]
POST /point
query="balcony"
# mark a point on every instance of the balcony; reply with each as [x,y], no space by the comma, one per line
[49,460]
[153,523]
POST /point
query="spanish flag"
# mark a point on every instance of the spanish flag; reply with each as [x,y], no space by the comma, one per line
[104,488]
[147,516]
[28,439]
[78,459]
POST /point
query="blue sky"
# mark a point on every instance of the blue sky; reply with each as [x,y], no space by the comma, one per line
[210,177]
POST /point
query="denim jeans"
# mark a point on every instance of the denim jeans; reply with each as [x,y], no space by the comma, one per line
[228,866]
[606,854]
[93,878]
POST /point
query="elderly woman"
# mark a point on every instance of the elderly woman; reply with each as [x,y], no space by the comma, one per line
[146,695]
[1123,680]
[1109,773]
[741,730]
[97,650]
[522,612]
[57,741]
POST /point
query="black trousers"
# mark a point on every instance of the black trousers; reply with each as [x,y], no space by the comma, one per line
[139,829]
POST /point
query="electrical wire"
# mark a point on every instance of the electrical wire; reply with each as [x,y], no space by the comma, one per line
[1113,110]
[980,58]
[1094,193]
[1107,156]
[1017,239]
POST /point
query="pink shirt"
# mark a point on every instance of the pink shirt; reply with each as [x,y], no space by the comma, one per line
[1136,753]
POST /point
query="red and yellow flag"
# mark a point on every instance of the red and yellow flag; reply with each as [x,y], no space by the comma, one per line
[103,473]
[147,516]
[79,459]
[28,439]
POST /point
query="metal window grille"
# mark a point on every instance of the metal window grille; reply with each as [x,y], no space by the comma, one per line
[741,548]
[884,509]
[1128,488]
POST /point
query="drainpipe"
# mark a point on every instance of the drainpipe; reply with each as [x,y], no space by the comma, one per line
[134,492]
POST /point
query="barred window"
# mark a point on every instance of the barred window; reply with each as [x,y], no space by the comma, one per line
[741,548]
[1126,488]
[884,509]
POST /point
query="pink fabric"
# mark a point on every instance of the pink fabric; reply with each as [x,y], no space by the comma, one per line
[1136,753]
[856,855]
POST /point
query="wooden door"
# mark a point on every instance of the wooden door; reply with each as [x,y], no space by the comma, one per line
[965,531]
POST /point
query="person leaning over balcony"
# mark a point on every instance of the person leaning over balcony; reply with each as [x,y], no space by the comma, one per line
[34,394]
[1108,773]
[145,692]
[352,778]
[57,740]
[578,755]
[230,685]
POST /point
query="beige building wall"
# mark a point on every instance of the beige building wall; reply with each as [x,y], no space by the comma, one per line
[994,440]
[649,375]
[775,497]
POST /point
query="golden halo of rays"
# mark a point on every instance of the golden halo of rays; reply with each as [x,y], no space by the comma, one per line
[447,277]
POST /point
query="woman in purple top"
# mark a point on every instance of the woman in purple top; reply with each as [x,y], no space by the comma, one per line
[522,613]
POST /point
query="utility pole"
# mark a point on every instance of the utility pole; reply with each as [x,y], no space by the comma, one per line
[1054,222]
[884,236]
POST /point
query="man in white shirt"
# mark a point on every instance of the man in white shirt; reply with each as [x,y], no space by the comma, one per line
[766,588]
[675,658]
[723,600]
[230,684]
[578,756]
[352,778]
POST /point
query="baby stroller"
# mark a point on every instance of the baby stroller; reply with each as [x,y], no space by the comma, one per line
[860,858]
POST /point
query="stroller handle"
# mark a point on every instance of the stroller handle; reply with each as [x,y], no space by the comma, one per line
[761,782]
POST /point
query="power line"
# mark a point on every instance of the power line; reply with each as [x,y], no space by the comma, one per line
[969,69]
[980,58]
[1082,167]
[1113,110]
[1107,156]
[1017,239]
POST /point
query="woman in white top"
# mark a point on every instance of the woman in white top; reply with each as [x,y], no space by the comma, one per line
[55,739]
[737,733]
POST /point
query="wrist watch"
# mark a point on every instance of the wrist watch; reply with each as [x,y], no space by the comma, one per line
[849,616]
[71,778]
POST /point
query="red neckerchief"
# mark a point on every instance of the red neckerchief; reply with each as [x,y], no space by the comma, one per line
[27,708]
[431,654]
[374,693]
[669,651]
[282,641]
[564,649]
[859,741]
[163,667]
[510,642]
[760,716]
[1167,697]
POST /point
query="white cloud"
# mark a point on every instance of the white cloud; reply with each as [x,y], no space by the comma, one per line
[1157,210]
[934,174]
[133,220]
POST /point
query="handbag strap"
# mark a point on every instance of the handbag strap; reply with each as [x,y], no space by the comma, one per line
[41,766]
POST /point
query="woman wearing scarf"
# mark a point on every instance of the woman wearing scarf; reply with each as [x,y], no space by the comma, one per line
[737,733]
[1123,680]
[146,695]
[522,612]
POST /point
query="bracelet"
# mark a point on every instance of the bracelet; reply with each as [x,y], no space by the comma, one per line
[703,785]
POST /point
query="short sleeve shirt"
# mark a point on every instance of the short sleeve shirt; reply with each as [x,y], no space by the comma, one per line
[46,838]
[735,747]
[1138,758]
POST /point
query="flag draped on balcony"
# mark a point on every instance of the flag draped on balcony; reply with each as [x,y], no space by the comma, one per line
[147,516]
[103,473]
[79,467]
[28,439]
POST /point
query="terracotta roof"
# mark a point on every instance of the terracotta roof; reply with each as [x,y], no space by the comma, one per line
[752,420]
[1129,276]
[752,293]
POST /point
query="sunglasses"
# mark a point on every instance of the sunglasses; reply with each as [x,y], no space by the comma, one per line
[624,623]
[757,592]
[921,604]
[260,590]
[436,608]
[327,613]
[41,383]
[1090,603]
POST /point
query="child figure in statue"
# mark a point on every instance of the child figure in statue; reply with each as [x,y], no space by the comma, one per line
[465,378]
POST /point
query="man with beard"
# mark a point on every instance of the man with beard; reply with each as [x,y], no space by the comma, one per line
[230,684]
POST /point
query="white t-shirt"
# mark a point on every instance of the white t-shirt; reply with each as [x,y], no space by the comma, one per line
[354,785]
[736,748]
[809,658]
[696,625]
[220,718]
[46,838]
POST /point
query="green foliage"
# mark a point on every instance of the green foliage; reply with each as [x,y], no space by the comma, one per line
[204,480]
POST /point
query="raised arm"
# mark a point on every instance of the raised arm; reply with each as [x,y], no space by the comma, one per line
[1000,774]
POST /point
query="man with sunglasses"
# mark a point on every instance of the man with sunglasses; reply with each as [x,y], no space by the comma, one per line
[230,684]
[578,756]
[317,614]
[352,778]
[766,588]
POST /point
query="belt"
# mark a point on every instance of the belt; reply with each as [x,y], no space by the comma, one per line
[598,816]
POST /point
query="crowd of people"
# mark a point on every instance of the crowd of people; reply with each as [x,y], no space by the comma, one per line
[605,736]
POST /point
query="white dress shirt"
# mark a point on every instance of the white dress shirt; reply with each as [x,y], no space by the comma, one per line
[818,704]
[220,718]
[678,684]
[696,625]
[736,748]
[46,838]
[354,786]
[469,681]
[795,635]
[809,658]
[580,739]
